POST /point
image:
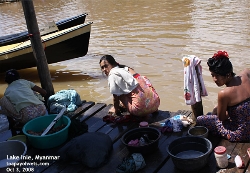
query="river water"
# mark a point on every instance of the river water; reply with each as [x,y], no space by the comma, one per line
[150,36]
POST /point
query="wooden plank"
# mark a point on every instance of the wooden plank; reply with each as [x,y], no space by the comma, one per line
[169,167]
[158,161]
[241,150]
[55,167]
[233,148]
[110,166]
[52,152]
[166,164]
[41,163]
[247,168]
[211,165]
[74,168]
[162,116]
[119,150]
[116,130]
[90,112]
[118,153]
[59,166]
[118,156]
[95,113]
[113,131]
[84,107]
[94,123]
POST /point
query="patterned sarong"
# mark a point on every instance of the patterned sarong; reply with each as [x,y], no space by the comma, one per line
[32,111]
[143,100]
[24,114]
[236,128]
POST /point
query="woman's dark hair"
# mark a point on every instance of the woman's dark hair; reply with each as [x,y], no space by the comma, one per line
[111,60]
[220,64]
[11,75]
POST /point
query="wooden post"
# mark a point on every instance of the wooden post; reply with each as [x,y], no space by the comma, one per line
[37,46]
[197,108]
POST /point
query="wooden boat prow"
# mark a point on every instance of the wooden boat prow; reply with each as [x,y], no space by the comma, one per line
[61,25]
[62,45]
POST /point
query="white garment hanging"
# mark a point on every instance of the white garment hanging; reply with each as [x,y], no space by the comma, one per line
[194,86]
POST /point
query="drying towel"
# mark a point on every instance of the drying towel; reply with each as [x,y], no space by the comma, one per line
[194,86]
[121,81]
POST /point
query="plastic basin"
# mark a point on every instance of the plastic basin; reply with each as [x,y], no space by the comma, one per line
[190,153]
[13,148]
[200,131]
[22,138]
[152,133]
[39,124]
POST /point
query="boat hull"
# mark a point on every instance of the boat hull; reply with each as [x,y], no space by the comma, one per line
[61,25]
[57,47]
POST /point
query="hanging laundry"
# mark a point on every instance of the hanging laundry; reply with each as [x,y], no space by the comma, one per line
[194,86]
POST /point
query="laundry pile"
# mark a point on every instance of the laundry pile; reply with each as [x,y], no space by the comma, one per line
[176,123]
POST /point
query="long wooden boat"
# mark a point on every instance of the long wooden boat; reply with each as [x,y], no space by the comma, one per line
[62,45]
[24,36]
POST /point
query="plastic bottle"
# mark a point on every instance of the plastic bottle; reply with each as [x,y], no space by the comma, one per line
[143,124]
[221,156]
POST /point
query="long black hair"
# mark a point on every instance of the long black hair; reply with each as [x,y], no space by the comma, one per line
[111,60]
[220,64]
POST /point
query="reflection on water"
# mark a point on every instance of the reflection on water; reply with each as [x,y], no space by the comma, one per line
[150,36]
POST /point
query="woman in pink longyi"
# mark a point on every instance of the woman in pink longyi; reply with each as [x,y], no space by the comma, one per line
[134,91]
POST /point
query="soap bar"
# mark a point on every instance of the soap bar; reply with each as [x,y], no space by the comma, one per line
[239,162]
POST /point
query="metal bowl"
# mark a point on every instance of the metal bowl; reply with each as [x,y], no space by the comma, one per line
[190,153]
[201,131]
[153,135]
[11,152]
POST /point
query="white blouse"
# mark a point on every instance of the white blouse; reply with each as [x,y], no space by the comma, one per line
[121,81]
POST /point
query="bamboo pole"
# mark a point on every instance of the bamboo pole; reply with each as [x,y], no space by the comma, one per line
[38,51]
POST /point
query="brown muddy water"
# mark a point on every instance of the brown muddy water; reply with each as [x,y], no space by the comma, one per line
[150,36]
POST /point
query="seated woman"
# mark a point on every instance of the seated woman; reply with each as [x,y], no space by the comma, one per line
[19,101]
[231,117]
[134,91]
